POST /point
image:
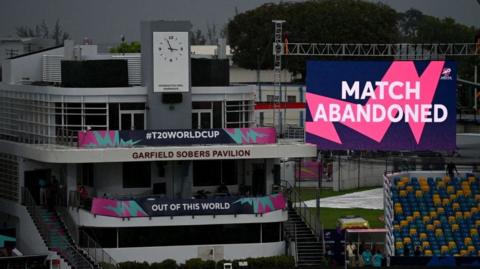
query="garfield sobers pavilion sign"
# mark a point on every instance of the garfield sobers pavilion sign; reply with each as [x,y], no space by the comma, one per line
[381,105]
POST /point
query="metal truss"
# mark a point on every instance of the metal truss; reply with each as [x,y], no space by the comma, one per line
[401,50]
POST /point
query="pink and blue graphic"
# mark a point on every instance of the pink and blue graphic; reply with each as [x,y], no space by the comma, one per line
[264,204]
[245,136]
[309,170]
[117,208]
[398,105]
[103,139]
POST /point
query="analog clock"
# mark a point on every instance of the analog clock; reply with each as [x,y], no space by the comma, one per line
[170,49]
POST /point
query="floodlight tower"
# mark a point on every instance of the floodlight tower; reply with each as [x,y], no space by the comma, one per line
[277,71]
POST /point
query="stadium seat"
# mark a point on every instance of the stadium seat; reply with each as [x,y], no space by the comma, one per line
[441,215]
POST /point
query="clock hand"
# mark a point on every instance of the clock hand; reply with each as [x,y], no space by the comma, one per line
[169,46]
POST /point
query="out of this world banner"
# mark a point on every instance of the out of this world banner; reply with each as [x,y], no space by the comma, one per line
[156,207]
[381,105]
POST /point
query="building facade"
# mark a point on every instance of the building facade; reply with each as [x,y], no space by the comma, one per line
[127,164]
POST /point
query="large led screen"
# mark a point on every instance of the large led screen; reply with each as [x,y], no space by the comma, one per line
[381,105]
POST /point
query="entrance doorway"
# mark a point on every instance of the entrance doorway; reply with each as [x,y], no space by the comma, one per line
[258,179]
[132,120]
[32,180]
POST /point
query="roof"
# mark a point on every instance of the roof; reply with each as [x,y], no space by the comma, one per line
[34,52]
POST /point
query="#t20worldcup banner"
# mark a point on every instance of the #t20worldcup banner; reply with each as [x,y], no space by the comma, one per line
[381,105]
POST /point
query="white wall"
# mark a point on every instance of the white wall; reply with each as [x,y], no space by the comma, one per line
[28,66]
[183,253]
[29,241]
[346,176]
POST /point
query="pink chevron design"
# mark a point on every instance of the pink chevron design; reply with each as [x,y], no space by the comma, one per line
[398,71]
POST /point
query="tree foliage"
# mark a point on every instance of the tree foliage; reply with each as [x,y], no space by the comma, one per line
[328,21]
[416,27]
[251,33]
[42,31]
[125,47]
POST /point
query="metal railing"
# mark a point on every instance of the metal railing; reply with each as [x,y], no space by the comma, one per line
[310,219]
[68,251]
[66,137]
[95,251]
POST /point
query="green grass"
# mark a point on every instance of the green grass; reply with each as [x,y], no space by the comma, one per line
[329,216]
[311,193]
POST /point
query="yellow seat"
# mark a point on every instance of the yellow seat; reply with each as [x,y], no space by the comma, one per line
[440,210]
[440,185]
[466,215]
[425,188]
[473,210]
[433,215]
[403,223]
[473,232]
[436,196]
[471,180]
[409,218]
[451,189]
[425,244]
[418,194]
[396,227]
[459,214]
[403,193]
[477,223]
[437,202]
[423,236]
[399,245]
[416,214]
[453,197]
[471,248]
[409,188]
[426,219]
[452,244]
[407,240]
[398,210]
[438,232]
[444,249]
[430,227]
[477,197]
[428,252]
[437,223]
[460,193]
[445,201]
[463,252]
[467,192]
[467,241]
[451,219]
[413,231]
[455,206]
[455,227]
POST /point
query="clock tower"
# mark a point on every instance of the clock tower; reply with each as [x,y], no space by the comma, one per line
[166,73]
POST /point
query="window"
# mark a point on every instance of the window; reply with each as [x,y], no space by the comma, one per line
[239,114]
[270,98]
[291,99]
[136,175]
[185,235]
[214,172]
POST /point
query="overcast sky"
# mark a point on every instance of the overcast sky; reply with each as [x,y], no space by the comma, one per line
[106,20]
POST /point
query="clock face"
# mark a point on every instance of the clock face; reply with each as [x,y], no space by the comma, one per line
[170,49]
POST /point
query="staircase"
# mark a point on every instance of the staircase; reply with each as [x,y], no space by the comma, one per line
[304,228]
[308,247]
[55,235]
